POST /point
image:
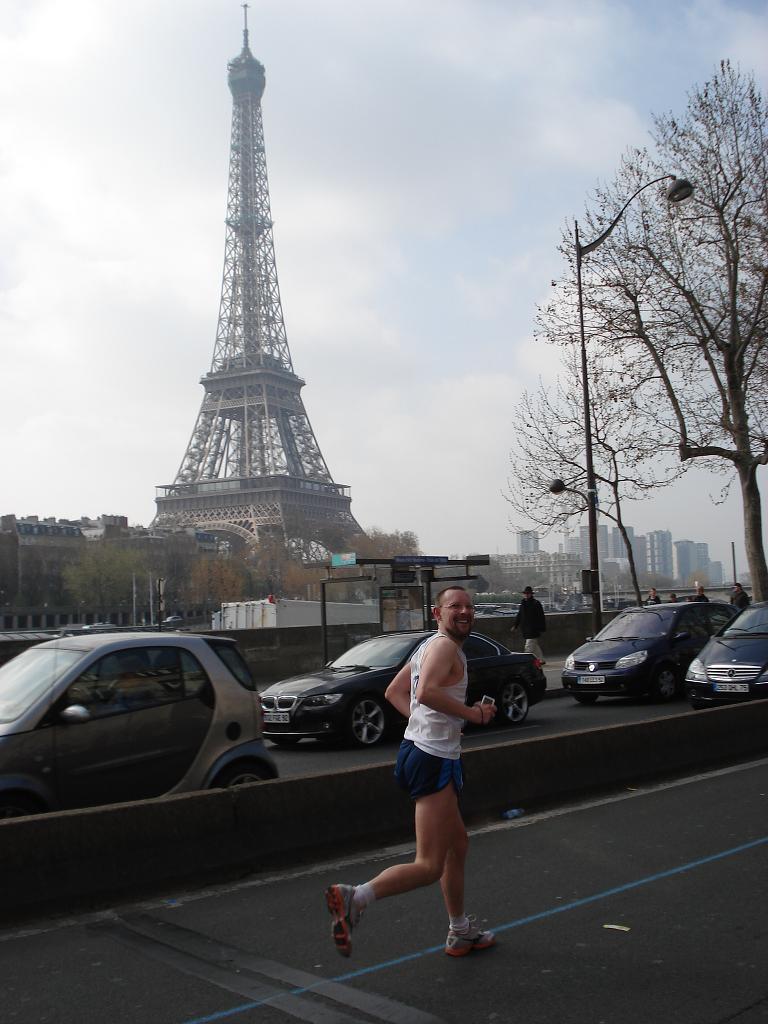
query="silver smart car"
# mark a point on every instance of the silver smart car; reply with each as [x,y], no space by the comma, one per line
[97,719]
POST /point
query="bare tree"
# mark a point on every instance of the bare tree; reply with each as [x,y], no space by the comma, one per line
[679,295]
[377,543]
[627,450]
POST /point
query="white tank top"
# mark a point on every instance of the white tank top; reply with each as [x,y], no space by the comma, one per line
[433,731]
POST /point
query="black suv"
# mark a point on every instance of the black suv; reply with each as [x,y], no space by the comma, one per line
[644,651]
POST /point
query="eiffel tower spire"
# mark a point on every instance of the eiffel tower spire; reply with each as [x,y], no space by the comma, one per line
[253,463]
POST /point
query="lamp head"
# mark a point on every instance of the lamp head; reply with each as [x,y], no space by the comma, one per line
[557,487]
[679,190]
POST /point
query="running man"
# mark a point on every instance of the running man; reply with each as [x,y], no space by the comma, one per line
[430,691]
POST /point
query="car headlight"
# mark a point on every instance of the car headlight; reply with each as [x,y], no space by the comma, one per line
[696,671]
[321,700]
[570,662]
[636,658]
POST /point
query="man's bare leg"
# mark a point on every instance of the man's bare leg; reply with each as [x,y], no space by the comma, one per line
[441,852]
[438,825]
[452,878]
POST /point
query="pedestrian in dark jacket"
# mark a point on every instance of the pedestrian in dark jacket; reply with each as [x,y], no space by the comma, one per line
[530,621]
[739,597]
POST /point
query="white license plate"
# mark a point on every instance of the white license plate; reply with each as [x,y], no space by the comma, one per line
[731,687]
[275,717]
[591,680]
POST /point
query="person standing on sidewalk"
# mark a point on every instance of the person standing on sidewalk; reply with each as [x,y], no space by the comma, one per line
[531,623]
[739,597]
[430,691]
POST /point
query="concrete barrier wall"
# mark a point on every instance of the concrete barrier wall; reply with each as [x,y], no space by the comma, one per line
[79,858]
[273,654]
[565,631]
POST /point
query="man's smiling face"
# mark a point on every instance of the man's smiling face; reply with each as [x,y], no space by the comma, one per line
[455,614]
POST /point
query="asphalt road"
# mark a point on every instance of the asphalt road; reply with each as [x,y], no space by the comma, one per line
[645,907]
[556,714]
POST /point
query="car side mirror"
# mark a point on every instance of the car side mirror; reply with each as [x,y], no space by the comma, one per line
[683,635]
[75,714]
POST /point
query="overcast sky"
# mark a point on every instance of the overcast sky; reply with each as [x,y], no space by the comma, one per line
[423,158]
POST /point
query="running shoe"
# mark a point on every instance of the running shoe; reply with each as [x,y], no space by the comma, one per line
[461,943]
[345,915]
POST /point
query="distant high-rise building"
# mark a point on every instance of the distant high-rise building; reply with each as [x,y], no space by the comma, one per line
[702,560]
[527,542]
[692,562]
[603,545]
[716,574]
[618,548]
[686,564]
[640,552]
[571,545]
[660,561]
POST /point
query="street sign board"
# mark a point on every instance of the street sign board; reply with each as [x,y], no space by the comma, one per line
[420,559]
[345,558]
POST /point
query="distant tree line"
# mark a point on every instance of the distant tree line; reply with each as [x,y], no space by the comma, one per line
[106,574]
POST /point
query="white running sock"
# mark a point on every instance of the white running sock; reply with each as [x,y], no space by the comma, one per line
[363,895]
[459,924]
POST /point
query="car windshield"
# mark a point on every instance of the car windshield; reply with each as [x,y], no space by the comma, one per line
[30,674]
[380,652]
[639,624]
[751,620]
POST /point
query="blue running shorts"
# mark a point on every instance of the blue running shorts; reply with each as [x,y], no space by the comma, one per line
[420,773]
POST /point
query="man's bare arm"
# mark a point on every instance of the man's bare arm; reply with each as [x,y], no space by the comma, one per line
[398,693]
[438,671]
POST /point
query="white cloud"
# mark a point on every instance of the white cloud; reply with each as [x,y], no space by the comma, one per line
[423,159]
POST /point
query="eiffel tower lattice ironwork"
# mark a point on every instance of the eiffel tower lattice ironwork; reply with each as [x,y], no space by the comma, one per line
[253,463]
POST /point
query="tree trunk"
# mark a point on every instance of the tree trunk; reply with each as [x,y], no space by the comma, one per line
[630,559]
[753,531]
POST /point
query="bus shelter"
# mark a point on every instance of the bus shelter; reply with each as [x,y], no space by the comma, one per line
[404,585]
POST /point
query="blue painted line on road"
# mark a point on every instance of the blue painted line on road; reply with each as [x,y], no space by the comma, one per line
[518,923]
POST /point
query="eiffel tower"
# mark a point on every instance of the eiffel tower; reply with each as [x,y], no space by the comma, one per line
[253,466]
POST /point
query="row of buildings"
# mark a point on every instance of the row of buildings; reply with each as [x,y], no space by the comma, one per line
[657,557]
[35,552]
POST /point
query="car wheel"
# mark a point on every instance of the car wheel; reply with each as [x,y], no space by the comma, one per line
[239,773]
[17,805]
[284,741]
[664,683]
[366,721]
[585,698]
[512,702]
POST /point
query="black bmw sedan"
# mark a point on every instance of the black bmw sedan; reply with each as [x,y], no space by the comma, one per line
[733,666]
[345,700]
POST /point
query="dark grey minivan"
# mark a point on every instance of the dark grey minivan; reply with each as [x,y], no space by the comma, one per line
[97,719]
[643,651]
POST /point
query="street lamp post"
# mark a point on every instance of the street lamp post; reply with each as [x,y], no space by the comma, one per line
[678,190]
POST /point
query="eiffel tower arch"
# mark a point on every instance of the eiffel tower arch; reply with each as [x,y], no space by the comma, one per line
[253,466]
